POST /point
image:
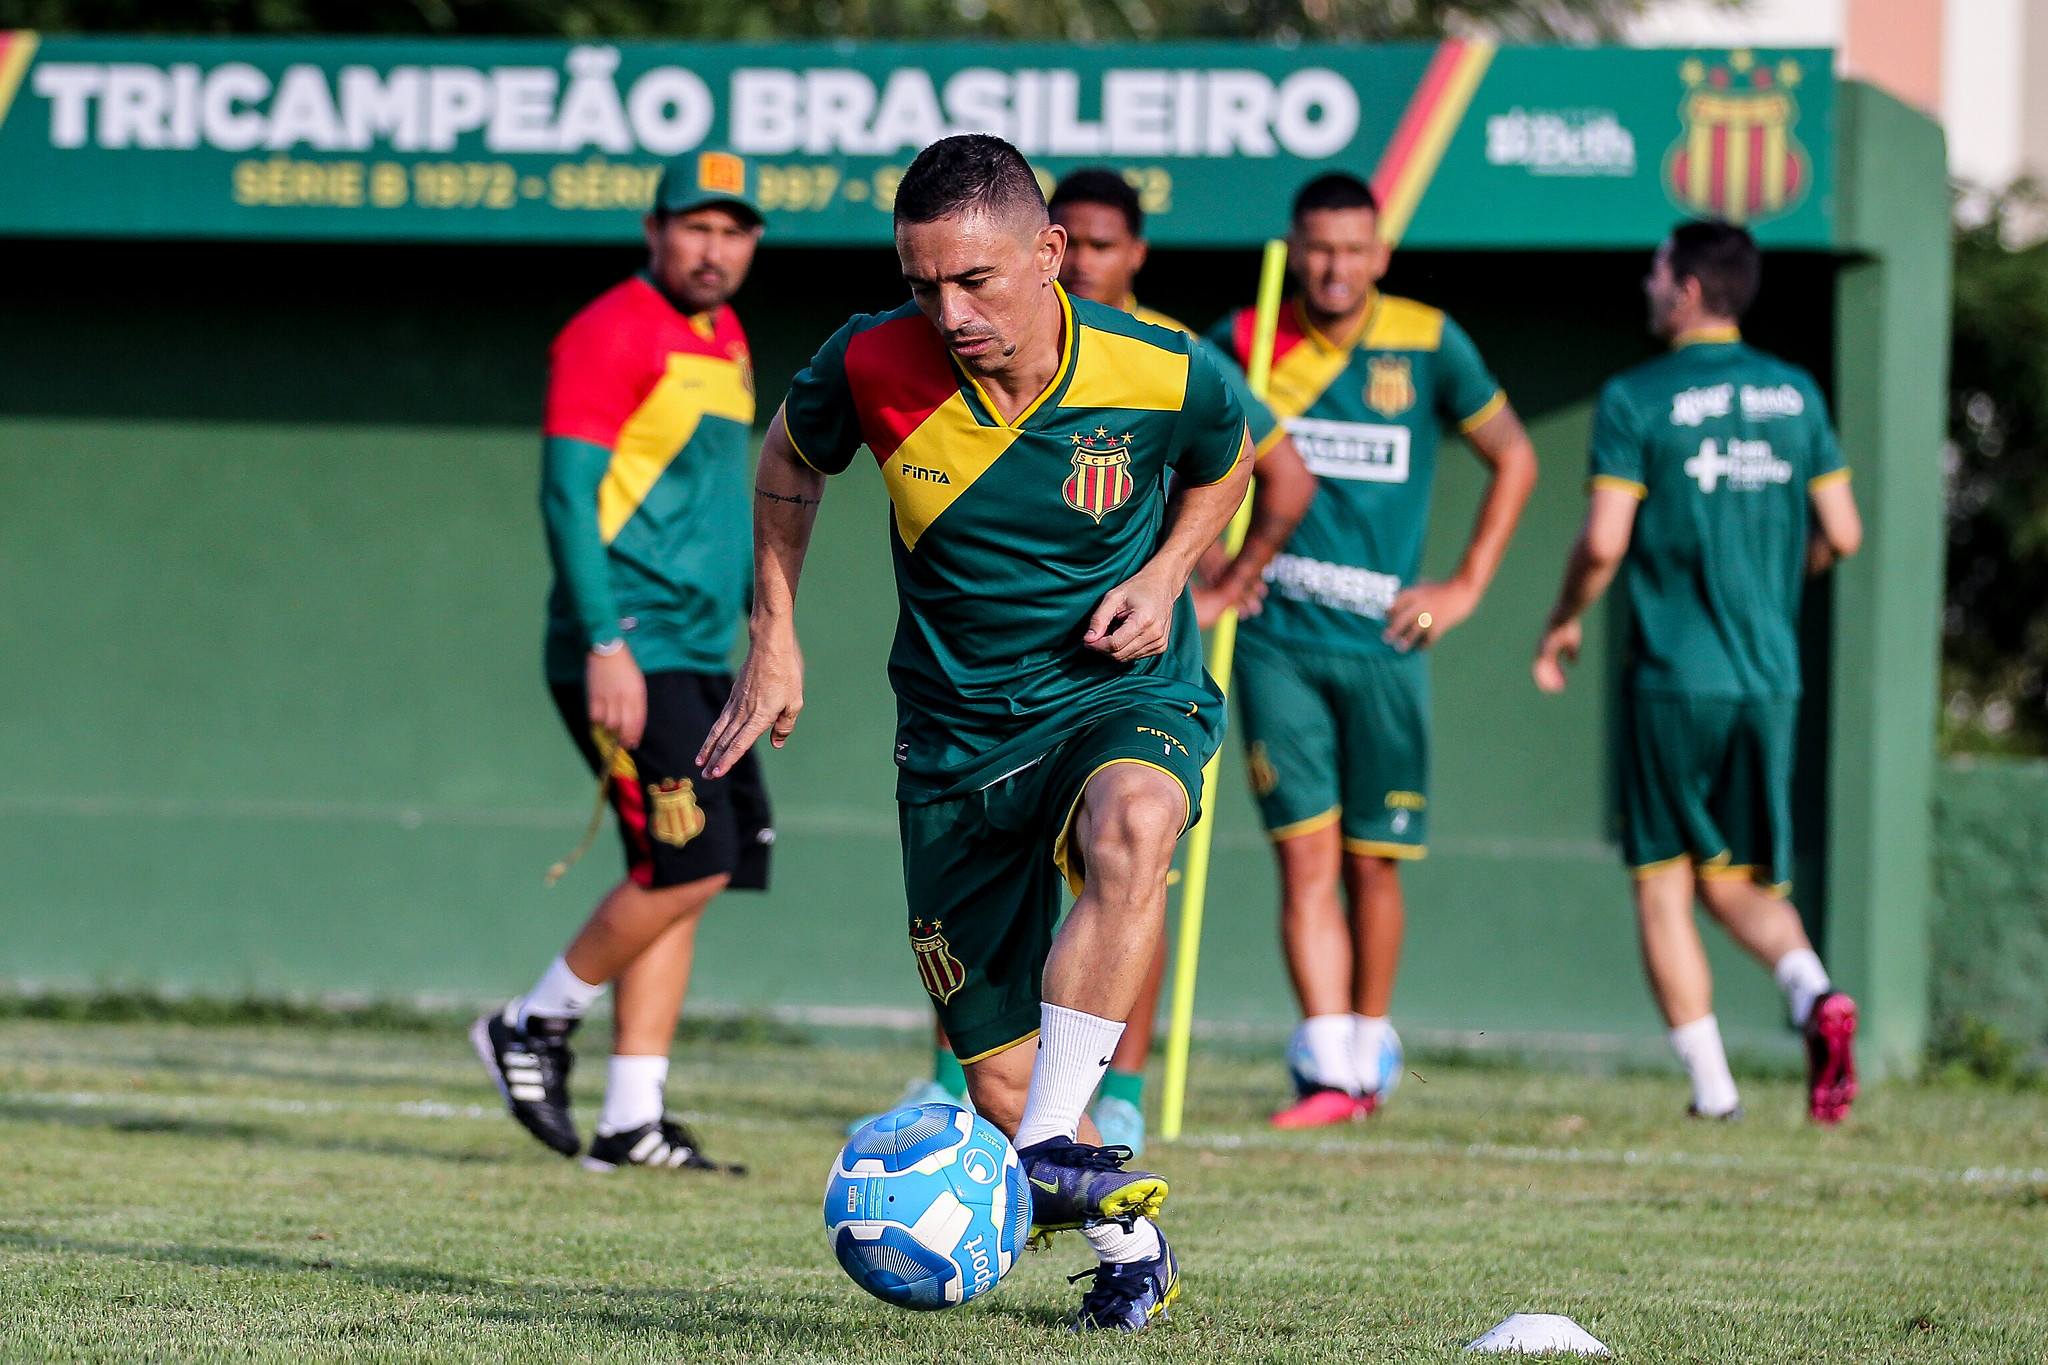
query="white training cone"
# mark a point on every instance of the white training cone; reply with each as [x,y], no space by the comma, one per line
[1536,1333]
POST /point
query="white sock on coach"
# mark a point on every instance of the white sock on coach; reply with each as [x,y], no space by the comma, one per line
[1073,1052]
[1114,1246]
[1803,980]
[1323,1051]
[559,994]
[1368,1039]
[1698,1045]
[632,1093]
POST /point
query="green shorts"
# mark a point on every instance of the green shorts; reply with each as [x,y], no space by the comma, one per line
[1338,739]
[1709,780]
[983,872]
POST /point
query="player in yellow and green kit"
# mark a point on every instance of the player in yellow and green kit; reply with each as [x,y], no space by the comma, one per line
[1717,485]
[1053,711]
[1332,681]
[1106,249]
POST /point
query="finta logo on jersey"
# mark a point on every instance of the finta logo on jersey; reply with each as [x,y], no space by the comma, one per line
[1364,451]
[1694,406]
[1101,481]
[1781,401]
[1745,466]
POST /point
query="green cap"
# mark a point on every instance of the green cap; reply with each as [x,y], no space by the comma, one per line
[698,180]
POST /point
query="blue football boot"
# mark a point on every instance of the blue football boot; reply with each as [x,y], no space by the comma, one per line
[1073,1185]
[1129,1297]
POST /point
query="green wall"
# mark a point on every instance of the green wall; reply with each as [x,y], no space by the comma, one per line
[272,716]
[1991,896]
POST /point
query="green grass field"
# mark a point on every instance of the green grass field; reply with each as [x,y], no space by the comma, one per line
[177,1193]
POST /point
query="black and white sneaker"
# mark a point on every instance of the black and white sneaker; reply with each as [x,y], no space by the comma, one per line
[530,1067]
[666,1144]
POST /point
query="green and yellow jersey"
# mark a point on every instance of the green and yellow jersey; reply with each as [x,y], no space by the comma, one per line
[1367,414]
[644,482]
[1265,427]
[1724,445]
[1006,535]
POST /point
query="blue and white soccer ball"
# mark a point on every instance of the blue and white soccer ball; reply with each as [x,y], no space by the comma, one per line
[927,1207]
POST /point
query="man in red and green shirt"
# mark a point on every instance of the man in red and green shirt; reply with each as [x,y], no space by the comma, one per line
[650,408]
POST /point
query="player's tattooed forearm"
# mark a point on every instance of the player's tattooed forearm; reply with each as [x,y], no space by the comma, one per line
[793,499]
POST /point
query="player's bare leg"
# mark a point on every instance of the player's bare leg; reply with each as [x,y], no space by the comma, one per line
[628,920]
[1682,984]
[1379,922]
[1769,929]
[1317,940]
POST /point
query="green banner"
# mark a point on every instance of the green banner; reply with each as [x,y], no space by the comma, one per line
[1468,145]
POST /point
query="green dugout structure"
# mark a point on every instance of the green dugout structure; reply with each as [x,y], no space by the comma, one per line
[273,330]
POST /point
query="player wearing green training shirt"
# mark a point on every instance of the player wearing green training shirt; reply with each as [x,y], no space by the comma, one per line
[1053,711]
[1717,487]
[1331,678]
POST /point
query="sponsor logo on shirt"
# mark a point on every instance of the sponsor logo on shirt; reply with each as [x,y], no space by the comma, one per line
[1745,466]
[1694,406]
[1359,591]
[1561,142]
[1364,451]
[1781,401]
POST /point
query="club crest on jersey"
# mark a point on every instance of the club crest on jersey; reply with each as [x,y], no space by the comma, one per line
[677,818]
[1101,481]
[1390,391]
[940,971]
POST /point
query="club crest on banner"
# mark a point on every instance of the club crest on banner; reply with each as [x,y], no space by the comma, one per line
[677,816]
[940,971]
[1390,391]
[1737,158]
[1101,481]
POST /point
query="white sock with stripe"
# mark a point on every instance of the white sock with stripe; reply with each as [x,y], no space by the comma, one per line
[1073,1051]
[1114,1246]
[559,994]
[632,1093]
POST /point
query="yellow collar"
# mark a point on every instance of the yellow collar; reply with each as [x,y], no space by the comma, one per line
[1706,336]
[1070,344]
[1316,334]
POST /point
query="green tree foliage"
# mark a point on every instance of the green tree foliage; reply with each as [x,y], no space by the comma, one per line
[1068,20]
[1995,628]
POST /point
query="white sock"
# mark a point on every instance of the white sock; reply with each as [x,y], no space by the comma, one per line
[559,994]
[632,1093]
[1073,1052]
[1368,1038]
[1803,980]
[1114,1246]
[1322,1051]
[1698,1045]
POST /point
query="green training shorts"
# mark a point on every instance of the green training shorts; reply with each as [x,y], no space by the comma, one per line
[983,872]
[1338,739]
[1709,779]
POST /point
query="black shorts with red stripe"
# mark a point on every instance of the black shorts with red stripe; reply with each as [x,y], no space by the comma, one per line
[677,825]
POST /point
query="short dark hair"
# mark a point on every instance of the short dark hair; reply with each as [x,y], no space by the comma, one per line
[1101,185]
[1334,190]
[970,171]
[1723,258]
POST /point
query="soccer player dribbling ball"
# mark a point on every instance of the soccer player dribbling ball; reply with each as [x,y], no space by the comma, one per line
[1054,714]
[1332,678]
[1717,486]
[649,412]
[1106,248]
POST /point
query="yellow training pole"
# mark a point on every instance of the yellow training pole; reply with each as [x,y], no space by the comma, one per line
[1194,887]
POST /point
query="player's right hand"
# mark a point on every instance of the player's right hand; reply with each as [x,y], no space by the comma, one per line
[618,695]
[1559,646]
[766,699]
